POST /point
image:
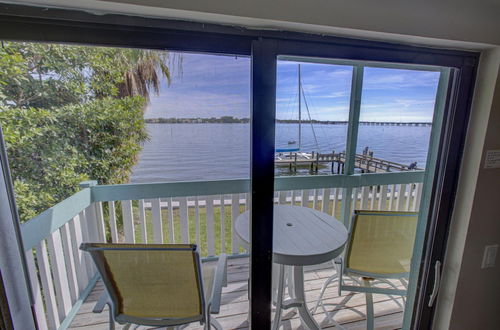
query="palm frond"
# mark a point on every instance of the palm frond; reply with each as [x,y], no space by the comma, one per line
[144,73]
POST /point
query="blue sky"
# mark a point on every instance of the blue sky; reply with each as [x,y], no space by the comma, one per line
[215,86]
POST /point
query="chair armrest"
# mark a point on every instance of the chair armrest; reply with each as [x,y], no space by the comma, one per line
[103,300]
[220,280]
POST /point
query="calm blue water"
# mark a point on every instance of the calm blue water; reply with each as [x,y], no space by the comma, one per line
[187,152]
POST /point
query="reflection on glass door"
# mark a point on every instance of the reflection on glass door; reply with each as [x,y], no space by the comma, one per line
[354,144]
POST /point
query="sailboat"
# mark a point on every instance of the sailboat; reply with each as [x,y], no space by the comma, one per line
[294,152]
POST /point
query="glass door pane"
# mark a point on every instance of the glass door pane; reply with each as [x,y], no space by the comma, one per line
[312,111]
[353,144]
[166,137]
[397,111]
[312,121]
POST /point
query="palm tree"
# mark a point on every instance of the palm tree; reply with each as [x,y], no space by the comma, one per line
[144,71]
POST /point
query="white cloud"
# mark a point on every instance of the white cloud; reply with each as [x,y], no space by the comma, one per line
[212,85]
[394,79]
[208,86]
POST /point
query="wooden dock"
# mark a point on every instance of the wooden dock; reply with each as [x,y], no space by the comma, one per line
[349,308]
[365,162]
[361,123]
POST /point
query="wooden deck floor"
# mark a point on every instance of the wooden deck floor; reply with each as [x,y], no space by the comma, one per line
[350,307]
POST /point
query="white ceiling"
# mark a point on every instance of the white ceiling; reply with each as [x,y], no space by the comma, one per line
[446,23]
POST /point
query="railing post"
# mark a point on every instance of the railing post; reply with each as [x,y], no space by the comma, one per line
[94,215]
[352,138]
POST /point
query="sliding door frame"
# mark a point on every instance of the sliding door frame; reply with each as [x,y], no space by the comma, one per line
[262,181]
[26,23]
[453,98]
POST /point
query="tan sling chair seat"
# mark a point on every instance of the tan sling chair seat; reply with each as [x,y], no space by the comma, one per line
[380,247]
[157,284]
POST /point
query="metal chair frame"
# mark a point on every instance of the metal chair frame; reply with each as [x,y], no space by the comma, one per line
[365,286]
[109,297]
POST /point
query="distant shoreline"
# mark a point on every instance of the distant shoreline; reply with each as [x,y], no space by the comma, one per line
[233,120]
[212,120]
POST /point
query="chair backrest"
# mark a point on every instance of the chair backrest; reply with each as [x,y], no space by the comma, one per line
[381,243]
[148,283]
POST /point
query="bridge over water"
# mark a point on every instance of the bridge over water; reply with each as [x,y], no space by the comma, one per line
[365,123]
[379,123]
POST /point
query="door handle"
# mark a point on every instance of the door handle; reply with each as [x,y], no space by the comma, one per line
[437,280]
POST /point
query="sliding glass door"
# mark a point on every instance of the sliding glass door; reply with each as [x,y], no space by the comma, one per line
[351,136]
[337,126]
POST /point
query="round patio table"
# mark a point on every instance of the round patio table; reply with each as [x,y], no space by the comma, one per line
[301,236]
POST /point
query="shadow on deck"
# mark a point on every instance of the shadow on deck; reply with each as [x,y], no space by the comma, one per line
[349,308]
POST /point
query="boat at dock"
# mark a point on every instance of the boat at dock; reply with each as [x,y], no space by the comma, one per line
[364,163]
[295,153]
[292,157]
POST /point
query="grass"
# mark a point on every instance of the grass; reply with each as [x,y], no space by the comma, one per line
[168,225]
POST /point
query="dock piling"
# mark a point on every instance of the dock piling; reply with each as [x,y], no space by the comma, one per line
[364,162]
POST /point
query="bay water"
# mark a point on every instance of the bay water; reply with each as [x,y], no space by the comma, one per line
[192,152]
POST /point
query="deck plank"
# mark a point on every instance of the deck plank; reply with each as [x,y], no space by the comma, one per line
[349,308]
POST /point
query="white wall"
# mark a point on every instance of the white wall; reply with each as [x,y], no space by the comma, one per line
[469,296]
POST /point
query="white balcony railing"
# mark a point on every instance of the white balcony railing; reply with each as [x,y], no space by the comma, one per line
[196,212]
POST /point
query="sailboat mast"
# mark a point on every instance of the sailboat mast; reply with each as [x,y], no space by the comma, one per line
[300,110]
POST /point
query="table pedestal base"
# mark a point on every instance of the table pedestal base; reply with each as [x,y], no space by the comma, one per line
[297,300]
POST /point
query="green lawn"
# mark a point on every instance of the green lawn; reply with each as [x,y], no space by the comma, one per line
[202,223]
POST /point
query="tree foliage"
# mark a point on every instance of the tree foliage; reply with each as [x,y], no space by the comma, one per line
[72,113]
[51,151]
[51,75]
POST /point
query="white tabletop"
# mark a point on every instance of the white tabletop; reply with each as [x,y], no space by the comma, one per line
[301,236]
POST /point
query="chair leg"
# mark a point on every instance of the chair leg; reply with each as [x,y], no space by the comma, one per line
[206,326]
[289,282]
[215,323]
[211,321]
[325,285]
[111,319]
[369,307]
[279,298]
[323,289]
[99,307]
[275,283]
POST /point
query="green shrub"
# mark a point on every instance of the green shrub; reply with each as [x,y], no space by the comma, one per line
[51,151]
[71,113]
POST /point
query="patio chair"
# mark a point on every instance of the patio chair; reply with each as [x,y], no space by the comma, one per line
[158,285]
[379,248]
